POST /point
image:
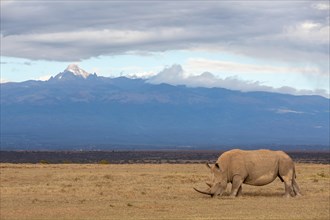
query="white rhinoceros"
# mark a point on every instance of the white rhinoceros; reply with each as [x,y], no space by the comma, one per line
[252,167]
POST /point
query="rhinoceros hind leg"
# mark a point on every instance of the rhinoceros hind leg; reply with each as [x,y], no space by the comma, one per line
[288,187]
[295,187]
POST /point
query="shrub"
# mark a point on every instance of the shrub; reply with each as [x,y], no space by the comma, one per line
[43,162]
[103,162]
[321,174]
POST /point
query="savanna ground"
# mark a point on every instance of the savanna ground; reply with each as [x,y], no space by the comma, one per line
[150,191]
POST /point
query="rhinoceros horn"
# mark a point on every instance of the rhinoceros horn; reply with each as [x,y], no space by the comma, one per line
[207,193]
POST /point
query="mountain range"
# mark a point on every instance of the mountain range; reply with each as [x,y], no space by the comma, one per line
[79,110]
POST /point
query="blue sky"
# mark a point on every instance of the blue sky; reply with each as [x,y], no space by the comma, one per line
[280,46]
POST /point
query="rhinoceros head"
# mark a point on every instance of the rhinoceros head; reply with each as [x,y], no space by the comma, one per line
[218,182]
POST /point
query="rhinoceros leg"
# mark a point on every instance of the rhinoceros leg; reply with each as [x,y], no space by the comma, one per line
[286,173]
[295,187]
[239,192]
[236,186]
[288,186]
[288,189]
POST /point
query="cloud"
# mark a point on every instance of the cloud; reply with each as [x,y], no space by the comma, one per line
[322,5]
[44,78]
[308,32]
[175,75]
[236,67]
[3,80]
[53,30]
[285,111]
[16,63]
[78,45]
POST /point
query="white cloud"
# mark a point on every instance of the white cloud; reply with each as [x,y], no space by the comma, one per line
[308,25]
[44,78]
[142,74]
[175,75]
[285,111]
[322,6]
[236,67]
[309,32]
[3,80]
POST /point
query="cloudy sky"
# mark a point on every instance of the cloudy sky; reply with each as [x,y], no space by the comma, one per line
[258,45]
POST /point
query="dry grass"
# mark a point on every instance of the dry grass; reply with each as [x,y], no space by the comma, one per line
[150,191]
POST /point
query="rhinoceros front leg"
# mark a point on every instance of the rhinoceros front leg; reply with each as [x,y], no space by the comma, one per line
[236,186]
[239,192]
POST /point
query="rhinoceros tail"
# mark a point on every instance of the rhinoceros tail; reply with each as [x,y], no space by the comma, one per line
[294,171]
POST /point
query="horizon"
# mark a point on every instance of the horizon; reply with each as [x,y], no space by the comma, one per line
[193,82]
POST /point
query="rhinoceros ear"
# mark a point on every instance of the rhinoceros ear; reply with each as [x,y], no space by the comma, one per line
[208,165]
[217,166]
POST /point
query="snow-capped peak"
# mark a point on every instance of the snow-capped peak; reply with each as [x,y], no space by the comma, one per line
[73,68]
[73,72]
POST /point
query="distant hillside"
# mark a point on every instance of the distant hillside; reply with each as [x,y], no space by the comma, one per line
[75,110]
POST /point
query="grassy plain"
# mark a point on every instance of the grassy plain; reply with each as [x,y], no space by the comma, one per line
[150,191]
